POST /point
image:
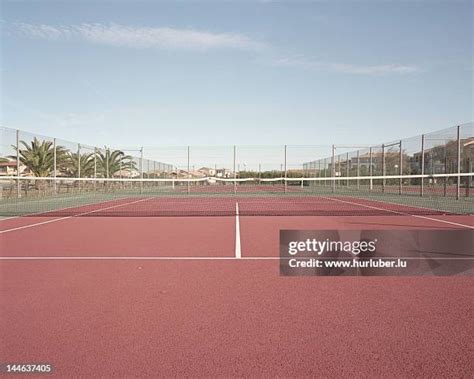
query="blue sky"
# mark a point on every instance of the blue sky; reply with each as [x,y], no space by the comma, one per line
[249,72]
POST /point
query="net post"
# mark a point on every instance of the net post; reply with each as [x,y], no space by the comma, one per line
[18,188]
[259,171]
[458,159]
[358,169]
[333,168]
[54,166]
[371,169]
[422,165]
[285,174]
[400,170]
[189,172]
[383,167]
[235,173]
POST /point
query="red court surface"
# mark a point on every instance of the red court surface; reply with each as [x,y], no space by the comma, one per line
[169,296]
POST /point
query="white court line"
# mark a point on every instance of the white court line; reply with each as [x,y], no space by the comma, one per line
[238,250]
[400,213]
[61,209]
[68,217]
[95,258]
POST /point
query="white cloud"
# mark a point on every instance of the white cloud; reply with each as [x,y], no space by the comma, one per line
[374,70]
[140,37]
[346,68]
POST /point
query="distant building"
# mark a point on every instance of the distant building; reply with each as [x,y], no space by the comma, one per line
[223,173]
[206,171]
[9,169]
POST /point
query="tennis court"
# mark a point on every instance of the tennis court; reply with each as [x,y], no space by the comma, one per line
[177,282]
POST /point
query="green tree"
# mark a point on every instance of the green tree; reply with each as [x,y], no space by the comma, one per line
[38,157]
[83,161]
[111,162]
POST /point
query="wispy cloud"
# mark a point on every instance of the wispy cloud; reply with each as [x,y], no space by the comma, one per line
[346,68]
[374,70]
[140,37]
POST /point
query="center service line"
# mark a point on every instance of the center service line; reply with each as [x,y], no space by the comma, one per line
[238,250]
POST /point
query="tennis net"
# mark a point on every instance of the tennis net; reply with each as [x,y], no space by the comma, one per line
[212,196]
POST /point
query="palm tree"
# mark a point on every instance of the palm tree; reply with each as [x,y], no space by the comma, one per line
[83,161]
[111,162]
[38,157]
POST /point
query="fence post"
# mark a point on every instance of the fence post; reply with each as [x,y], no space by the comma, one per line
[422,165]
[95,167]
[347,170]
[78,160]
[18,186]
[371,169]
[285,174]
[458,158]
[107,162]
[189,172]
[54,166]
[235,173]
[400,171]
[383,167]
[358,169]
[141,169]
[79,165]
[333,168]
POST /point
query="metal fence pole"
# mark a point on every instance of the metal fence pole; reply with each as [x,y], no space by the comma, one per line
[422,164]
[18,186]
[285,175]
[358,169]
[189,172]
[54,166]
[79,165]
[383,168]
[235,174]
[400,190]
[338,170]
[107,153]
[458,159]
[95,167]
[95,162]
[347,169]
[445,181]
[333,168]
[469,167]
[141,169]
[78,160]
[371,169]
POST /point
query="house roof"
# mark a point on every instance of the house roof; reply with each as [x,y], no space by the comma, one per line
[8,164]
